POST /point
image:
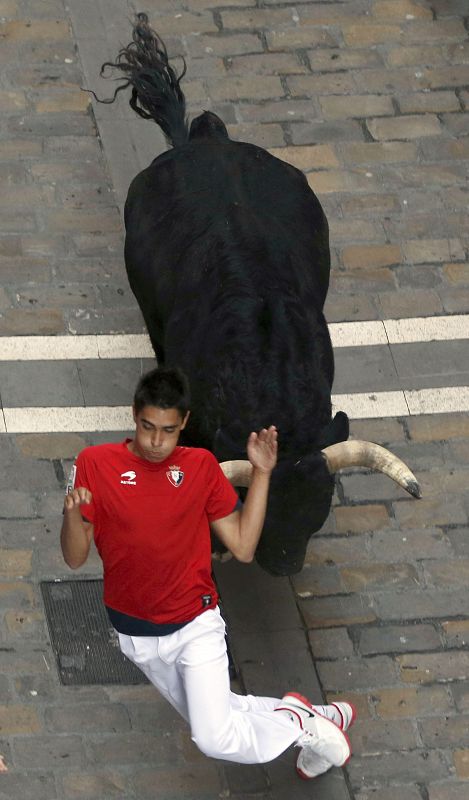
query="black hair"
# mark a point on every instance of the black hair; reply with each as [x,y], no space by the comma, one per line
[163,387]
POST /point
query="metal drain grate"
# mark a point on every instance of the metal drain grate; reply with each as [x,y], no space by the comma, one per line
[84,642]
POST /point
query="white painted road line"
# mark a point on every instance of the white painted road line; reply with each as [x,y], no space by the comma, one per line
[427,329]
[68,348]
[373,405]
[357,334]
[445,400]
[135,345]
[68,419]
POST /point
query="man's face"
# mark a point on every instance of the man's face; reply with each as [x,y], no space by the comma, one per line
[157,432]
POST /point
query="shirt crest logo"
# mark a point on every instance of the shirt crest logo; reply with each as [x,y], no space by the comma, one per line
[175,475]
[129,477]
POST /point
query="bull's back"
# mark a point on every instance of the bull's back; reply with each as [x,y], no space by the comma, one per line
[206,192]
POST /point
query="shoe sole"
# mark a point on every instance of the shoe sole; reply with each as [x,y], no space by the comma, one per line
[306,777]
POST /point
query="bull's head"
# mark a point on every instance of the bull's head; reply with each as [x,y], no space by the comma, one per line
[301,494]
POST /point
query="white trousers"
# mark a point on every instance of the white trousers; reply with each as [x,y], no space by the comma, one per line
[190,668]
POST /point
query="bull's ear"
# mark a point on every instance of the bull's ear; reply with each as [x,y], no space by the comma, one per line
[337,431]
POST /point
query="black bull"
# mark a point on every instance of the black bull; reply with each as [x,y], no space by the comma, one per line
[227,253]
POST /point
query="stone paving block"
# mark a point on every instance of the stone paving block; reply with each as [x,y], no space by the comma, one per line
[313,580]
[50,445]
[406,792]
[17,504]
[339,610]
[25,624]
[421,102]
[155,715]
[397,638]
[378,152]
[358,519]
[369,737]
[410,701]
[460,693]
[54,384]
[131,748]
[358,487]
[326,132]
[408,127]
[457,274]
[185,781]
[328,644]
[419,604]
[16,719]
[25,532]
[335,107]
[108,784]
[232,45]
[29,786]
[329,59]
[444,574]
[337,549]
[356,673]
[15,563]
[369,34]
[456,632]
[417,766]
[461,762]
[19,322]
[277,111]
[447,791]
[431,667]
[399,9]
[93,718]
[58,752]
[445,731]
[266,64]
[399,305]
[307,158]
[349,308]
[366,578]
[438,511]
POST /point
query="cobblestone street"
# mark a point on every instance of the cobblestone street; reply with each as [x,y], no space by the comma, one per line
[370,99]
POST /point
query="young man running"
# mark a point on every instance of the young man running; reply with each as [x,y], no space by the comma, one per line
[149,504]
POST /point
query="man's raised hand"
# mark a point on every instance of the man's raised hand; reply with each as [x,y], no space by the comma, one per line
[262,449]
[76,498]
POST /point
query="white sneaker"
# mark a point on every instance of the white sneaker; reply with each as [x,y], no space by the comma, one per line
[342,714]
[323,744]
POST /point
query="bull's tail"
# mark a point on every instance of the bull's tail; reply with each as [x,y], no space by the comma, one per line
[156,93]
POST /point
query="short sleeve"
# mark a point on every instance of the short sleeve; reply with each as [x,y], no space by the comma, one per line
[81,475]
[222,499]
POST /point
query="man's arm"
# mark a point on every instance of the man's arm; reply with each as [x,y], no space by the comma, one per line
[240,532]
[76,533]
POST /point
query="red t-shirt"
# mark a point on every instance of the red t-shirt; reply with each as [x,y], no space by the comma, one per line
[151,527]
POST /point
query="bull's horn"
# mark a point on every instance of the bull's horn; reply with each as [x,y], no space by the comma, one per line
[238,472]
[356,453]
